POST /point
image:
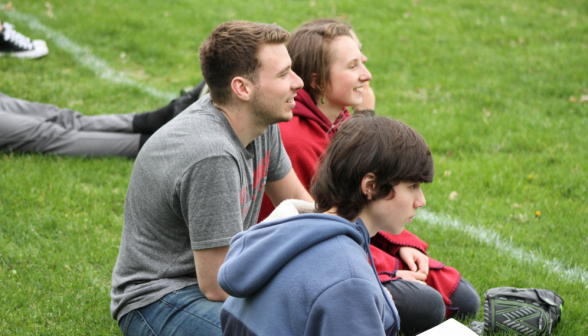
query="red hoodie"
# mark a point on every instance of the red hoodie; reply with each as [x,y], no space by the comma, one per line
[305,138]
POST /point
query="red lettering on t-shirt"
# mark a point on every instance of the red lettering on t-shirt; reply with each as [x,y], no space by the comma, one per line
[242,196]
[258,176]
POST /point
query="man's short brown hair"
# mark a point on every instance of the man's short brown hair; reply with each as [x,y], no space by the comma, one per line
[364,144]
[311,55]
[232,50]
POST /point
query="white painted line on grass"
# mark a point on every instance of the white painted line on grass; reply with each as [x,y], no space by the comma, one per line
[84,56]
[493,239]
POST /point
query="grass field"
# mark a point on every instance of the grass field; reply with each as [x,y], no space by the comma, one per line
[497,88]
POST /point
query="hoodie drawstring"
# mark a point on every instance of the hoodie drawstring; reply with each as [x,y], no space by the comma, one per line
[366,239]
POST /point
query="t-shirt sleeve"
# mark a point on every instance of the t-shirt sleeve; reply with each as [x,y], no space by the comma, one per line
[209,195]
[279,164]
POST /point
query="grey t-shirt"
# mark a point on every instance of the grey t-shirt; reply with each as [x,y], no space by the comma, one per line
[194,186]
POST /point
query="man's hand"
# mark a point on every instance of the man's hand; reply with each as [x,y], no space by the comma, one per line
[207,264]
[415,260]
[289,187]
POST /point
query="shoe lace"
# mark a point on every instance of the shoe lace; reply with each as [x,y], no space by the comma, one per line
[14,37]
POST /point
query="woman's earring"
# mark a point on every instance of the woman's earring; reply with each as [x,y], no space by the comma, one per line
[323,100]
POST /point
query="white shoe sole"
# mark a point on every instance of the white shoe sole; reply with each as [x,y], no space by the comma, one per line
[40,50]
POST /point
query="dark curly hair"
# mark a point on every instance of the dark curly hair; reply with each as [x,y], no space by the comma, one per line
[364,144]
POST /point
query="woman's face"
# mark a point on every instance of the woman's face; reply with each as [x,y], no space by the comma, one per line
[348,74]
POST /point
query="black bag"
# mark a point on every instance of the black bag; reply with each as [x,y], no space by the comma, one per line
[520,311]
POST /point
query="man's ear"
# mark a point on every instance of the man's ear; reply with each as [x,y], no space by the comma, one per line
[242,87]
[368,185]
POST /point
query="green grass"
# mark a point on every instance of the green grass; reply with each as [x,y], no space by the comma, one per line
[488,84]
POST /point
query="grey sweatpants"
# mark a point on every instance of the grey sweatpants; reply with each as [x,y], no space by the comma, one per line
[34,127]
[421,307]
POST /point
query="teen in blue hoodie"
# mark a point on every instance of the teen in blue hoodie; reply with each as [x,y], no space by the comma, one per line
[308,274]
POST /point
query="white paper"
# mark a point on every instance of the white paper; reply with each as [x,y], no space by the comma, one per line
[449,328]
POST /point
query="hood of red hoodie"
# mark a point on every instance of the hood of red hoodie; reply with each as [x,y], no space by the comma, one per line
[306,108]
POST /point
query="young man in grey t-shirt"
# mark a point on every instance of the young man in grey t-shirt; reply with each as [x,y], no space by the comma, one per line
[200,180]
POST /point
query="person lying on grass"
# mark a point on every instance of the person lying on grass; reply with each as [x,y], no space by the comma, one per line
[308,274]
[27,126]
[327,55]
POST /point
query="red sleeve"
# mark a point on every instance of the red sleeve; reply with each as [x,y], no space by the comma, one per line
[392,243]
[385,264]
[304,141]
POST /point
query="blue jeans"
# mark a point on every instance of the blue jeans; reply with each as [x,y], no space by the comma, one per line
[183,312]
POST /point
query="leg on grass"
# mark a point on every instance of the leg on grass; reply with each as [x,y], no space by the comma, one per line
[22,134]
[420,307]
[66,118]
[466,299]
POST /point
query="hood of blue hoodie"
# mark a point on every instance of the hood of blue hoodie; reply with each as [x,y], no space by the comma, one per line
[257,254]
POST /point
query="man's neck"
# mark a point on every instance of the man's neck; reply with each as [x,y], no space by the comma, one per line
[243,122]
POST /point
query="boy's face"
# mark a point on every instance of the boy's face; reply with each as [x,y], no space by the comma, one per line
[391,215]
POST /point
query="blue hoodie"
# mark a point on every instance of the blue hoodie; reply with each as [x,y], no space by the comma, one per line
[304,275]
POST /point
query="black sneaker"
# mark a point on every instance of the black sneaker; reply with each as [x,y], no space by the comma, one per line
[188,97]
[14,44]
[149,122]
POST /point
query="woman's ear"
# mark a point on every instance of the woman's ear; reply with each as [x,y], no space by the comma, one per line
[368,185]
[317,88]
[313,81]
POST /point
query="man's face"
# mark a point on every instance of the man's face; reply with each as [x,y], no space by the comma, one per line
[274,92]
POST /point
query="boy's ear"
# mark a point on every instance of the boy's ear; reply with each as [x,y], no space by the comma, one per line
[368,185]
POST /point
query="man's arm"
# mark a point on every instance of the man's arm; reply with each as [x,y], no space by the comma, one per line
[209,198]
[289,187]
[208,261]
[207,264]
